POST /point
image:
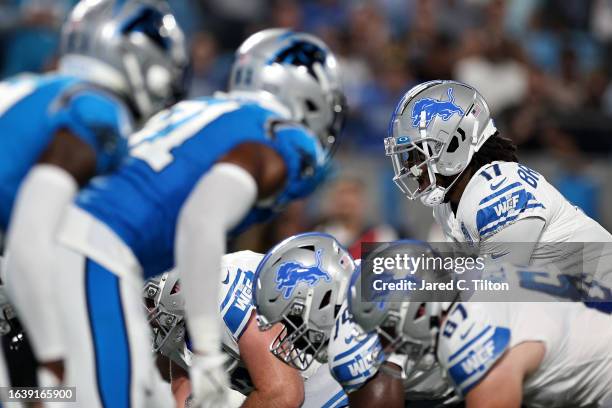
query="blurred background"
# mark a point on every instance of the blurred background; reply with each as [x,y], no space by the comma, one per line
[544,66]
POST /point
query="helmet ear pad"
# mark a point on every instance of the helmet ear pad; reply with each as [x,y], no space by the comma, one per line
[457,155]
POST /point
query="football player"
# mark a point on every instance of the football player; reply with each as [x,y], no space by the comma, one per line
[120,63]
[372,376]
[540,352]
[310,301]
[197,172]
[301,283]
[446,151]
[254,371]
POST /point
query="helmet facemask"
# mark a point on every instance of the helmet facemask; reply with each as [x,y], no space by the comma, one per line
[334,130]
[297,345]
[415,163]
[165,324]
[419,353]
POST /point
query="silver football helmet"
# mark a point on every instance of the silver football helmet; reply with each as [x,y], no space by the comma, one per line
[435,129]
[406,325]
[134,48]
[165,308]
[300,71]
[301,283]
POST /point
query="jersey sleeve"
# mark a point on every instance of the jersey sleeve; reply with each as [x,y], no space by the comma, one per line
[98,119]
[305,165]
[497,196]
[352,357]
[236,301]
[304,160]
[470,343]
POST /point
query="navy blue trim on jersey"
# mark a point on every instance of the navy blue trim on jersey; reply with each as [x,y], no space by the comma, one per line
[109,334]
[604,307]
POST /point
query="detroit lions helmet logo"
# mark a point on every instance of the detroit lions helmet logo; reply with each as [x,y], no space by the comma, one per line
[289,274]
[433,108]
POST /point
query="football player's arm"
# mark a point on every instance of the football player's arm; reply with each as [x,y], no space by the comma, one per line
[515,243]
[382,390]
[180,385]
[276,384]
[502,387]
[163,366]
[220,200]
[44,194]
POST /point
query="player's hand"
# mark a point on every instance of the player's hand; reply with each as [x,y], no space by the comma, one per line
[209,381]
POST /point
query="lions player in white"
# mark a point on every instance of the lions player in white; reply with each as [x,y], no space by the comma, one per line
[320,327]
[446,151]
[254,371]
[301,283]
[372,376]
[541,353]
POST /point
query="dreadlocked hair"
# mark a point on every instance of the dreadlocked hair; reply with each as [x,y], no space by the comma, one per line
[496,148]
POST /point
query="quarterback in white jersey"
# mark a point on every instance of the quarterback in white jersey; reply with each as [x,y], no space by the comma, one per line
[446,151]
[251,366]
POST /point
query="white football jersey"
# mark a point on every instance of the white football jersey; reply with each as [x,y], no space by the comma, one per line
[236,307]
[352,362]
[577,367]
[502,193]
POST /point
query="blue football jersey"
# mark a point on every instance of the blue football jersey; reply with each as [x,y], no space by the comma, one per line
[141,201]
[34,107]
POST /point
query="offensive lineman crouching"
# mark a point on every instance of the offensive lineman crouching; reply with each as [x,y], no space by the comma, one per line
[254,371]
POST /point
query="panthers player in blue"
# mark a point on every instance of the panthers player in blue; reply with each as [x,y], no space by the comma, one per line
[197,172]
[446,151]
[120,63]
